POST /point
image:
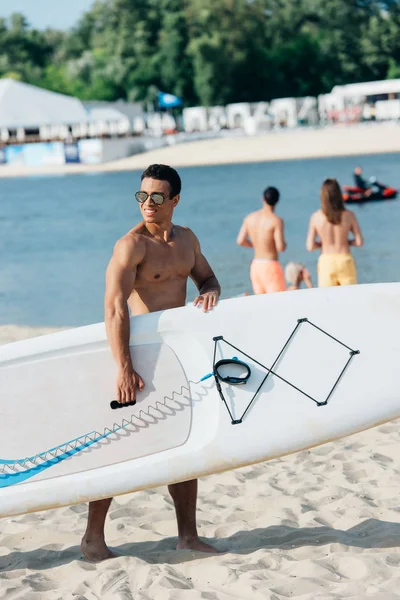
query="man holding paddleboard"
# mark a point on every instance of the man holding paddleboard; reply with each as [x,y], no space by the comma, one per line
[148,272]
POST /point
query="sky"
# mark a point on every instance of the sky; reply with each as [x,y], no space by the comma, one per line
[59,14]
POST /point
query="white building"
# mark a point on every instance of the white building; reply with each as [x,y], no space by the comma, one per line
[361,101]
[25,110]
[371,91]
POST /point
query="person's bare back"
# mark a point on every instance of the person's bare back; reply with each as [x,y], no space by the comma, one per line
[329,230]
[264,230]
[334,239]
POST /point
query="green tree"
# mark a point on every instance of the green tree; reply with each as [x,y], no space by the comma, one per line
[175,68]
[393,70]
[206,51]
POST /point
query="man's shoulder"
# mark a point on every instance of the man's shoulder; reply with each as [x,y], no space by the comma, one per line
[131,243]
[132,238]
[138,231]
[271,220]
[253,216]
[184,232]
[183,229]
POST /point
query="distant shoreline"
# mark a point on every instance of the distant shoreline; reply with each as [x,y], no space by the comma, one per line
[331,141]
[16,333]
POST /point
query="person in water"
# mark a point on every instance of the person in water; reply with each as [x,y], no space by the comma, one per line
[372,187]
[296,274]
[148,272]
[329,231]
[263,231]
[359,180]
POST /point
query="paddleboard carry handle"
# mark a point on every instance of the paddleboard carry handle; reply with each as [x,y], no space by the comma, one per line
[114,404]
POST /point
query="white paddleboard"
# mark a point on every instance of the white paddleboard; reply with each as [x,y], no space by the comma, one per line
[312,366]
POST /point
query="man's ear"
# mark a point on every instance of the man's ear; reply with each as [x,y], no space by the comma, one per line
[175,201]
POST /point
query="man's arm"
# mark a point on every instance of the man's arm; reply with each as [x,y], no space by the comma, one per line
[356,231]
[120,280]
[243,236]
[279,236]
[307,278]
[205,280]
[312,243]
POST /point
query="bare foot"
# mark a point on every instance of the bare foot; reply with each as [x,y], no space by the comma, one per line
[95,550]
[194,543]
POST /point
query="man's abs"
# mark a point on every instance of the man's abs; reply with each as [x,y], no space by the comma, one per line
[158,296]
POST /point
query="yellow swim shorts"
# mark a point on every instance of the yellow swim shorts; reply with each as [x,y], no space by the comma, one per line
[336,269]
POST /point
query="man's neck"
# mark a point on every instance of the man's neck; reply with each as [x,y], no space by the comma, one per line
[160,231]
[269,210]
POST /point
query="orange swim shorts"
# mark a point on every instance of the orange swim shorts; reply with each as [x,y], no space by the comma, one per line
[267,276]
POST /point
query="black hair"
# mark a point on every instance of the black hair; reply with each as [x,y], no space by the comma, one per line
[164,173]
[271,196]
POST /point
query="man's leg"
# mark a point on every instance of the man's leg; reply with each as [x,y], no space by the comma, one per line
[274,277]
[184,496]
[256,280]
[93,545]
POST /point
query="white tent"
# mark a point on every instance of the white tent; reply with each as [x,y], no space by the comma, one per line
[370,88]
[28,107]
[109,120]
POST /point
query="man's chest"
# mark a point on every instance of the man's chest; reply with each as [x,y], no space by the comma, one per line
[165,261]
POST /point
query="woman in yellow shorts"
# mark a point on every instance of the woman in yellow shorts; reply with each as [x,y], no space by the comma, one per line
[329,230]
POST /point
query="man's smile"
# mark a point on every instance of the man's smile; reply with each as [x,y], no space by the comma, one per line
[149,212]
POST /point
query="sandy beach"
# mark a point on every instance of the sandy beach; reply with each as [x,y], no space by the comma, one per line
[321,523]
[294,144]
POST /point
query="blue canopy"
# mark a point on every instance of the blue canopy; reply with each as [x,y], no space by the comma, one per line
[168,100]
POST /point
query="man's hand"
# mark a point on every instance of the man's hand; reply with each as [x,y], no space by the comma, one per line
[127,383]
[208,300]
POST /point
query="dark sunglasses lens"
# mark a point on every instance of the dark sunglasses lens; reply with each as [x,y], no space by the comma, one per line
[141,197]
[157,198]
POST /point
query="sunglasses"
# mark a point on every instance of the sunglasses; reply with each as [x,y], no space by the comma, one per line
[156,197]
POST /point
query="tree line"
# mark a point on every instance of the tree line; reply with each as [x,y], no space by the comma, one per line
[208,52]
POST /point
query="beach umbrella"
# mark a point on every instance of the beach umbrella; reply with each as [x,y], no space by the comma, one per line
[168,100]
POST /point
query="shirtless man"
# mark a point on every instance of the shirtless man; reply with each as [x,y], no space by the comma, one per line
[333,224]
[148,272]
[263,230]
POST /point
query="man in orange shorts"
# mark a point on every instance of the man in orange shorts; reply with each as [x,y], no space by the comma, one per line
[263,230]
